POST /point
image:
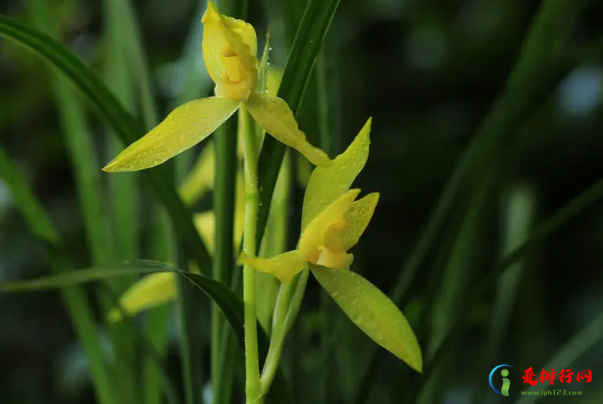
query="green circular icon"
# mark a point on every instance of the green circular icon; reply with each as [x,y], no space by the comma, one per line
[504,373]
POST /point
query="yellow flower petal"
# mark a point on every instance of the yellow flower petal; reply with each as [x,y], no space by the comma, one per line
[186,126]
[326,184]
[150,291]
[357,217]
[201,178]
[314,238]
[333,254]
[229,51]
[276,118]
[283,266]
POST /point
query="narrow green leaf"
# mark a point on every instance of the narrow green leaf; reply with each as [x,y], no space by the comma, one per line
[75,298]
[532,80]
[194,80]
[226,165]
[308,41]
[562,216]
[372,311]
[123,123]
[229,302]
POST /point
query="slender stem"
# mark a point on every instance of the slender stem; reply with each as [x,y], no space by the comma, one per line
[252,205]
[277,338]
[285,314]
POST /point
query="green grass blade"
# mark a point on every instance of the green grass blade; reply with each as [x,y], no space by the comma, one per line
[149,349]
[81,152]
[124,195]
[137,62]
[74,297]
[122,122]
[529,83]
[157,319]
[561,217]
[189,342]
[225,145]
[163,242]
[457,263]
[195,80]
[230,303]
[308,41]
[519,208]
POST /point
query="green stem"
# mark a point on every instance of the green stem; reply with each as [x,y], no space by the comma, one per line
[285,313]
[252,205]
[277,338]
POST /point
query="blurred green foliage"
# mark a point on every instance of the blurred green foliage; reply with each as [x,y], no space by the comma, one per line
[428,72]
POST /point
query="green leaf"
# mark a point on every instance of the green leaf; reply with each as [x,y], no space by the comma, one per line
[228,301]
[125,126]
[535,75]
[372,311]
[308,41]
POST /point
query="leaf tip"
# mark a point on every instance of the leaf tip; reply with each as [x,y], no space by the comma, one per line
[111,167]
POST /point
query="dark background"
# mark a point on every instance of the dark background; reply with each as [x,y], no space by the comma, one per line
[428,73]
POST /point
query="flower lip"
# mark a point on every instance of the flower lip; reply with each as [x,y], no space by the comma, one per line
[229,51]
[321,242]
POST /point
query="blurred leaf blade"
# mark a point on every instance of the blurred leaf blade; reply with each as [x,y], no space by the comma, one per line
[124,125]
[526,86]
[75,299]
[229,302]
[308,42]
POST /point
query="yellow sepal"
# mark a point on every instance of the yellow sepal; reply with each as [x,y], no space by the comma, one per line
[276,118]
[284,266]
[357,218]
[186,126]
[326,184]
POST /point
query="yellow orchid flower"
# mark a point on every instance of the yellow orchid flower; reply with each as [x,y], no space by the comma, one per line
[229,51]
[332,219]
[157,289]
[332,223]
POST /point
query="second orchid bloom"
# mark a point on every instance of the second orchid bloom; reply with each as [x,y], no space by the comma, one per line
[230,54]
[333,220]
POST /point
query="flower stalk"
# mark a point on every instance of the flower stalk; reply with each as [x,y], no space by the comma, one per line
[252,205]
